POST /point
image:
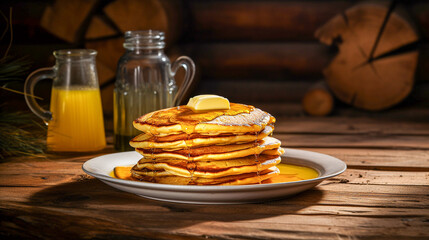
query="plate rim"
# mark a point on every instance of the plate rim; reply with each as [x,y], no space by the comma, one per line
[289,152]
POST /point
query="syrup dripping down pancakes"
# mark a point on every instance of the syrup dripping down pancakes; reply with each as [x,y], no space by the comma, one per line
[216,147]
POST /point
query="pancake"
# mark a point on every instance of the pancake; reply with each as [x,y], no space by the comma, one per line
[277,152]
[209,169]
[214,152]
[241,179]
[177,141]
[211,147]
[239,118]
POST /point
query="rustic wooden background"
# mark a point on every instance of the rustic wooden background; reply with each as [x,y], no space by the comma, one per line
[256,52]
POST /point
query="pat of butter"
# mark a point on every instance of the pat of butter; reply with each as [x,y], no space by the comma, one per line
[208,102]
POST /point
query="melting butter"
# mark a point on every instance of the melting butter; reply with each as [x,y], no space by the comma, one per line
[208,102]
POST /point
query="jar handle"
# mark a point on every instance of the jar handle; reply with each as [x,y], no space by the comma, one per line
[30,82]
[189,67]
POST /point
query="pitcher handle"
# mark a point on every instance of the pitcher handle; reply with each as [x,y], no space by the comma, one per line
[189,67]
[30,82]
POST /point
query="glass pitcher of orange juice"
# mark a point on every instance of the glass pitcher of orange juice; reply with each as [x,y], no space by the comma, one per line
[75,120]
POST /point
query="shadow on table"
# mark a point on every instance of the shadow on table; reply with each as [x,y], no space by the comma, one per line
[99,205]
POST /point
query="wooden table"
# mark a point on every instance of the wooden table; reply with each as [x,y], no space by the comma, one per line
[384,194]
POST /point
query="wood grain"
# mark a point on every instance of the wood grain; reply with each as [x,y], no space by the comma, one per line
[370,71]
[192,225]
[154,218]
[251,90]
[274,20]
[64,18]
[255,60]
[408,178]
[417,160]
[260,20]
[354,141]
[98,28]
[351,125]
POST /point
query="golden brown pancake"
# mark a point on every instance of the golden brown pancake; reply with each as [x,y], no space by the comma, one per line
[216,147]
[239,118]
[208,169]
[241,179]
[177,141]
[277,152]
[214,152]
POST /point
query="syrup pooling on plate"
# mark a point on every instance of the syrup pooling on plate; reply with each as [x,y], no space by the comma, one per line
[293,173]
[288,173]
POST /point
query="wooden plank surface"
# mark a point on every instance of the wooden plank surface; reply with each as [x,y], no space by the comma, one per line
[332,201]
[327,206]
[24,176]
[416,160]
[276,20]
[382,195]
[354,141]
[245,90]
[272,60]
[261,20]
[353,132]
[355,125]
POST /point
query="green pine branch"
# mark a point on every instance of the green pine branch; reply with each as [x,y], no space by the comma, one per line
[21,135]
[13,70]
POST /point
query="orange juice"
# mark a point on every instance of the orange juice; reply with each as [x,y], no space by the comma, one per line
[77,120]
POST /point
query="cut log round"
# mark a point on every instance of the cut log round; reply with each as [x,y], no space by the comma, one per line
[98,28]
[65,18]
[100,25]
[106,77]
[318,100]
[375,66]
[109,50]
[129,15]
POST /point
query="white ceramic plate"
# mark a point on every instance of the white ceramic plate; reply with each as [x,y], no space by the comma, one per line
[327,166]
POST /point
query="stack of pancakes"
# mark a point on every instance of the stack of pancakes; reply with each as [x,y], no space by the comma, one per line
[218,147]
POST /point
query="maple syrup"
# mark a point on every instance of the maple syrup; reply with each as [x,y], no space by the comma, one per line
[288,173]
[188,119]
[292,173]
[153,157]
[190,166]
[257,162]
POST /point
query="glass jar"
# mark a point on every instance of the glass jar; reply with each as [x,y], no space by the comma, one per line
[145,82]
